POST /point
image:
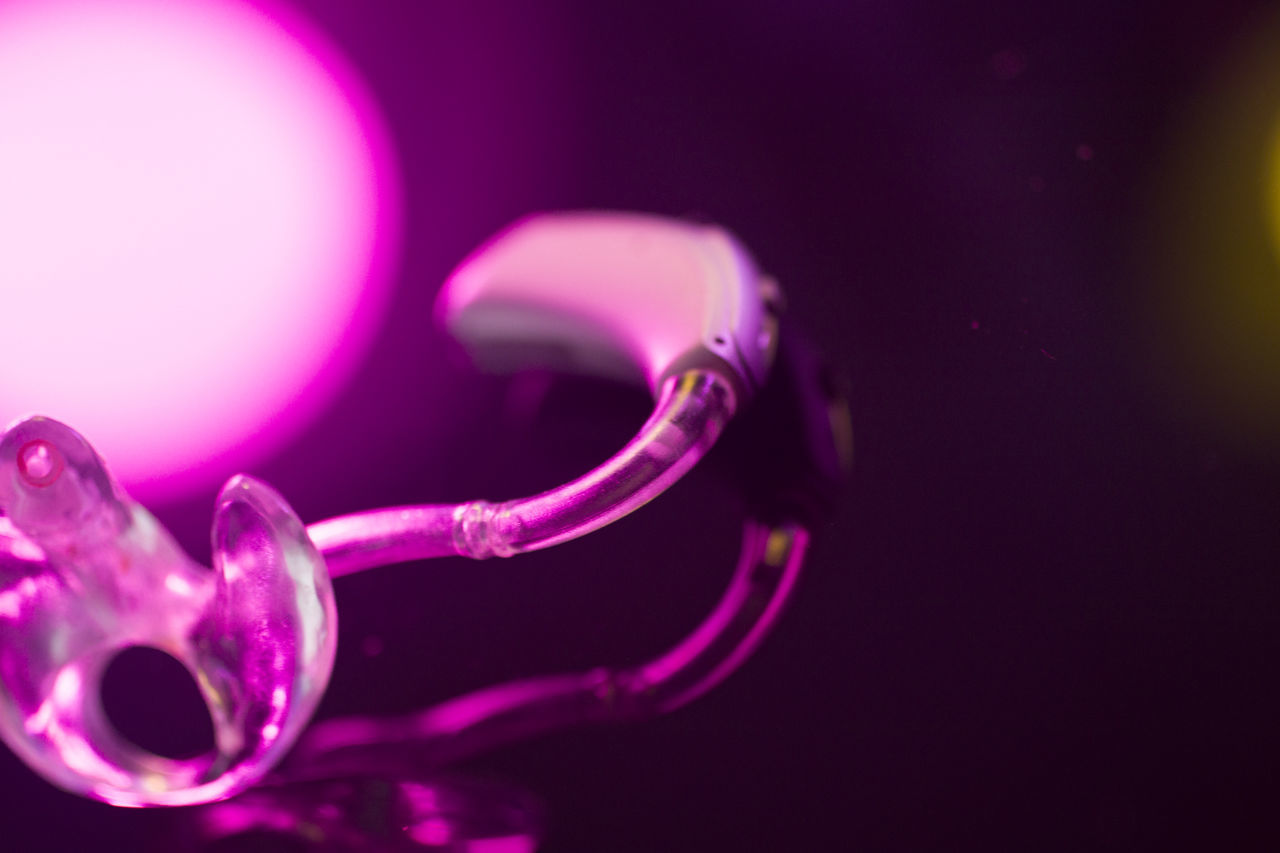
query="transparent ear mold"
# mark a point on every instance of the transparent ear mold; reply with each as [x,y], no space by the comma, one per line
[85,572]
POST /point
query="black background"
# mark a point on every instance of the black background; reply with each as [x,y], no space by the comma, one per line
[1045,615]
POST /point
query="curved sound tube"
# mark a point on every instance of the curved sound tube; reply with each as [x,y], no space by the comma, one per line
[768,566]
[692,411]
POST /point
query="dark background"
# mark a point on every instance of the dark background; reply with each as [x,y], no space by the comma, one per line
[1045,615]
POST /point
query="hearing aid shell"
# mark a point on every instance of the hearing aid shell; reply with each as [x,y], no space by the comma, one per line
[622,295]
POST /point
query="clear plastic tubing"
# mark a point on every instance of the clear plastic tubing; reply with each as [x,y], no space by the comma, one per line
[691,412]
[768,566]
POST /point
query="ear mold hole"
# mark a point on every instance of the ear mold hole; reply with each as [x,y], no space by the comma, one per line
[152,701]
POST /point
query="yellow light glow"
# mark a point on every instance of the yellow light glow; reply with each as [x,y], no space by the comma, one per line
[1213,250]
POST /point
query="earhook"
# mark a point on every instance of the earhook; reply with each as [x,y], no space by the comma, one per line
[677,306]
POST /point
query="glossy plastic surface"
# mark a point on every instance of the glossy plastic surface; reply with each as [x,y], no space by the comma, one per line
[692,411]
[376,784]
[85,572]
[615,294]
[768,566]
[382,810]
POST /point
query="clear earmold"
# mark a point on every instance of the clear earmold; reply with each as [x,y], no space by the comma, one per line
[85,573]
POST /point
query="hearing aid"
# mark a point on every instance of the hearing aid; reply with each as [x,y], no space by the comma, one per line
[679,308]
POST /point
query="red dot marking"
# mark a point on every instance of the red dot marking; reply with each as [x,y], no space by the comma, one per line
[40,463]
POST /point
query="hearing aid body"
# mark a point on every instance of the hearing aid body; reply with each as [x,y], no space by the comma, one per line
[620,295]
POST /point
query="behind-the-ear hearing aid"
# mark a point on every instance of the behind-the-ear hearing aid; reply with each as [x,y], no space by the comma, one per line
[86,572]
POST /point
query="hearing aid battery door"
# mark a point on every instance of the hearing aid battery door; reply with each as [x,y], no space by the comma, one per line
[627,296]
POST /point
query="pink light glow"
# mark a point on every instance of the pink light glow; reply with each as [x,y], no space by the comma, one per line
[433,832]
[15,600]
[197,215]
[507,844]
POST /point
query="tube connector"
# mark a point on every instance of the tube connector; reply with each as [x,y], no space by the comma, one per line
[479,532]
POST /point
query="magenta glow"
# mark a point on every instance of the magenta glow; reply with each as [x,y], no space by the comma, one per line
[197,218]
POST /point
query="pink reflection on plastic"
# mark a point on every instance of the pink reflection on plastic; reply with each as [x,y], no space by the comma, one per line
[511,844]
[380,812]
[692,410]
[197,218]
[55,720]
[767,573]
[433,832]
[14,601]
[768,567]
[85,572]
[614,294]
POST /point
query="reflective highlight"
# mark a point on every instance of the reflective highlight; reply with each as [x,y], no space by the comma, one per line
[768,565]
[381,811]
[85,572]
[692,411]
